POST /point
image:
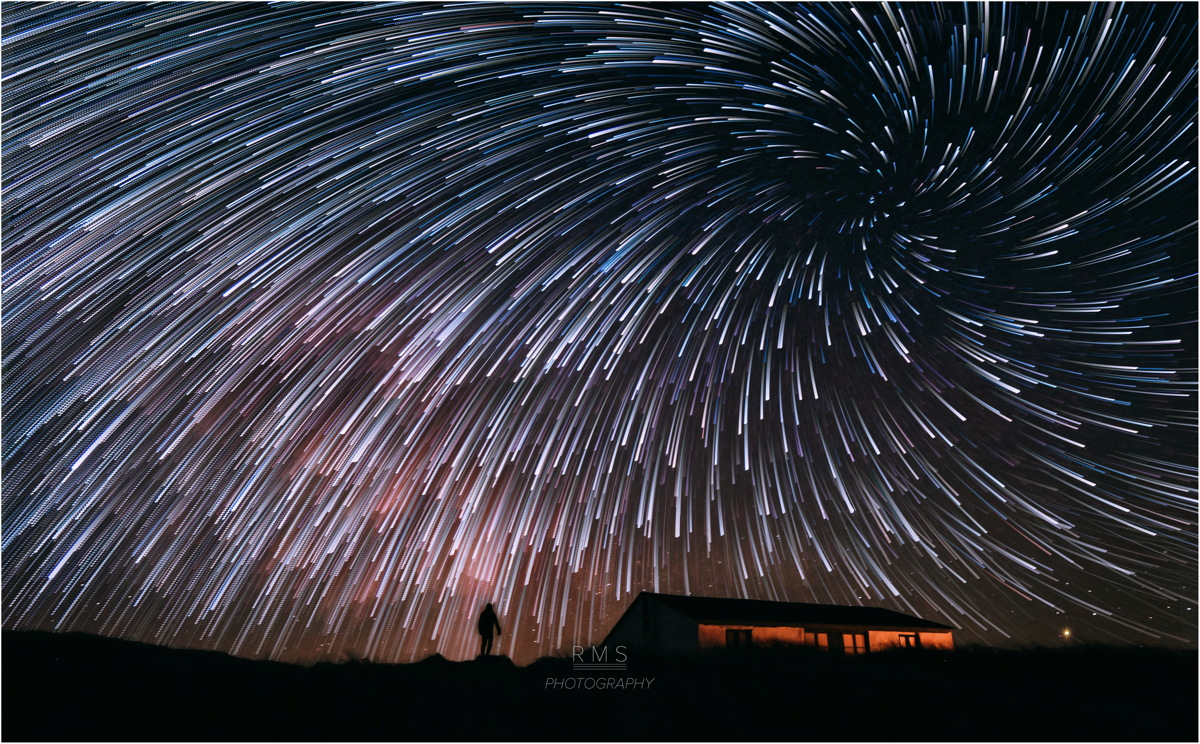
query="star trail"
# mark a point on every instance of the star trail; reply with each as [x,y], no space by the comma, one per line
[326,324]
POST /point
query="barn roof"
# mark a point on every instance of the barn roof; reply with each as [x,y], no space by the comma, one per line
[720,610]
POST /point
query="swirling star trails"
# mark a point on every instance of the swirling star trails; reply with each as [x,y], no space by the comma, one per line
[326,324]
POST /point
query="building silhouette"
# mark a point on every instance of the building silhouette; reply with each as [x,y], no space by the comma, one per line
[669,623]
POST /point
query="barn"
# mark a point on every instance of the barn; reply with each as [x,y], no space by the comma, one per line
[671,623]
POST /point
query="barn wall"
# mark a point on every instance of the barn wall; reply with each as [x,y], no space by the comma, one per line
[785,636]
[672,632]
[713,636]
[628,630]
[881,640]
[651,626]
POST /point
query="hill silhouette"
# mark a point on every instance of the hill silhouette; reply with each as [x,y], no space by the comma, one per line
[72,687]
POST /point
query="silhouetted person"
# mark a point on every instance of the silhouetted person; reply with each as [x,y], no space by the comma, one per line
[487,621]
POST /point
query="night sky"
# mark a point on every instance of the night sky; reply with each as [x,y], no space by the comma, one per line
[326,324]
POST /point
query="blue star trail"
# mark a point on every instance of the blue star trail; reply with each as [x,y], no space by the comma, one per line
[326,324]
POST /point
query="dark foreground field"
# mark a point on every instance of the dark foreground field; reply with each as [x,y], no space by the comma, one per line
[82,688]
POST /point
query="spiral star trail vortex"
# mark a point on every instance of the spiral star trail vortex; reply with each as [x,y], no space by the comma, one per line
[325,324]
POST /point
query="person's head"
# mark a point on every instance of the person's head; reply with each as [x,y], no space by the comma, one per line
[489,605]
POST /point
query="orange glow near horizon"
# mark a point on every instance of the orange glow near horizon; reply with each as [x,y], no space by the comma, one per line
[713,637]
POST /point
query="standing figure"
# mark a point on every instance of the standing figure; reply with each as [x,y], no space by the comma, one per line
[487,621]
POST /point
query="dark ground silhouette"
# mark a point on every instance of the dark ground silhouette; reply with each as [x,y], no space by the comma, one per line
[75,687]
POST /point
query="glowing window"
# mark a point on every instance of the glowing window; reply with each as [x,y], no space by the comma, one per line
[739,637]
[855,643]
